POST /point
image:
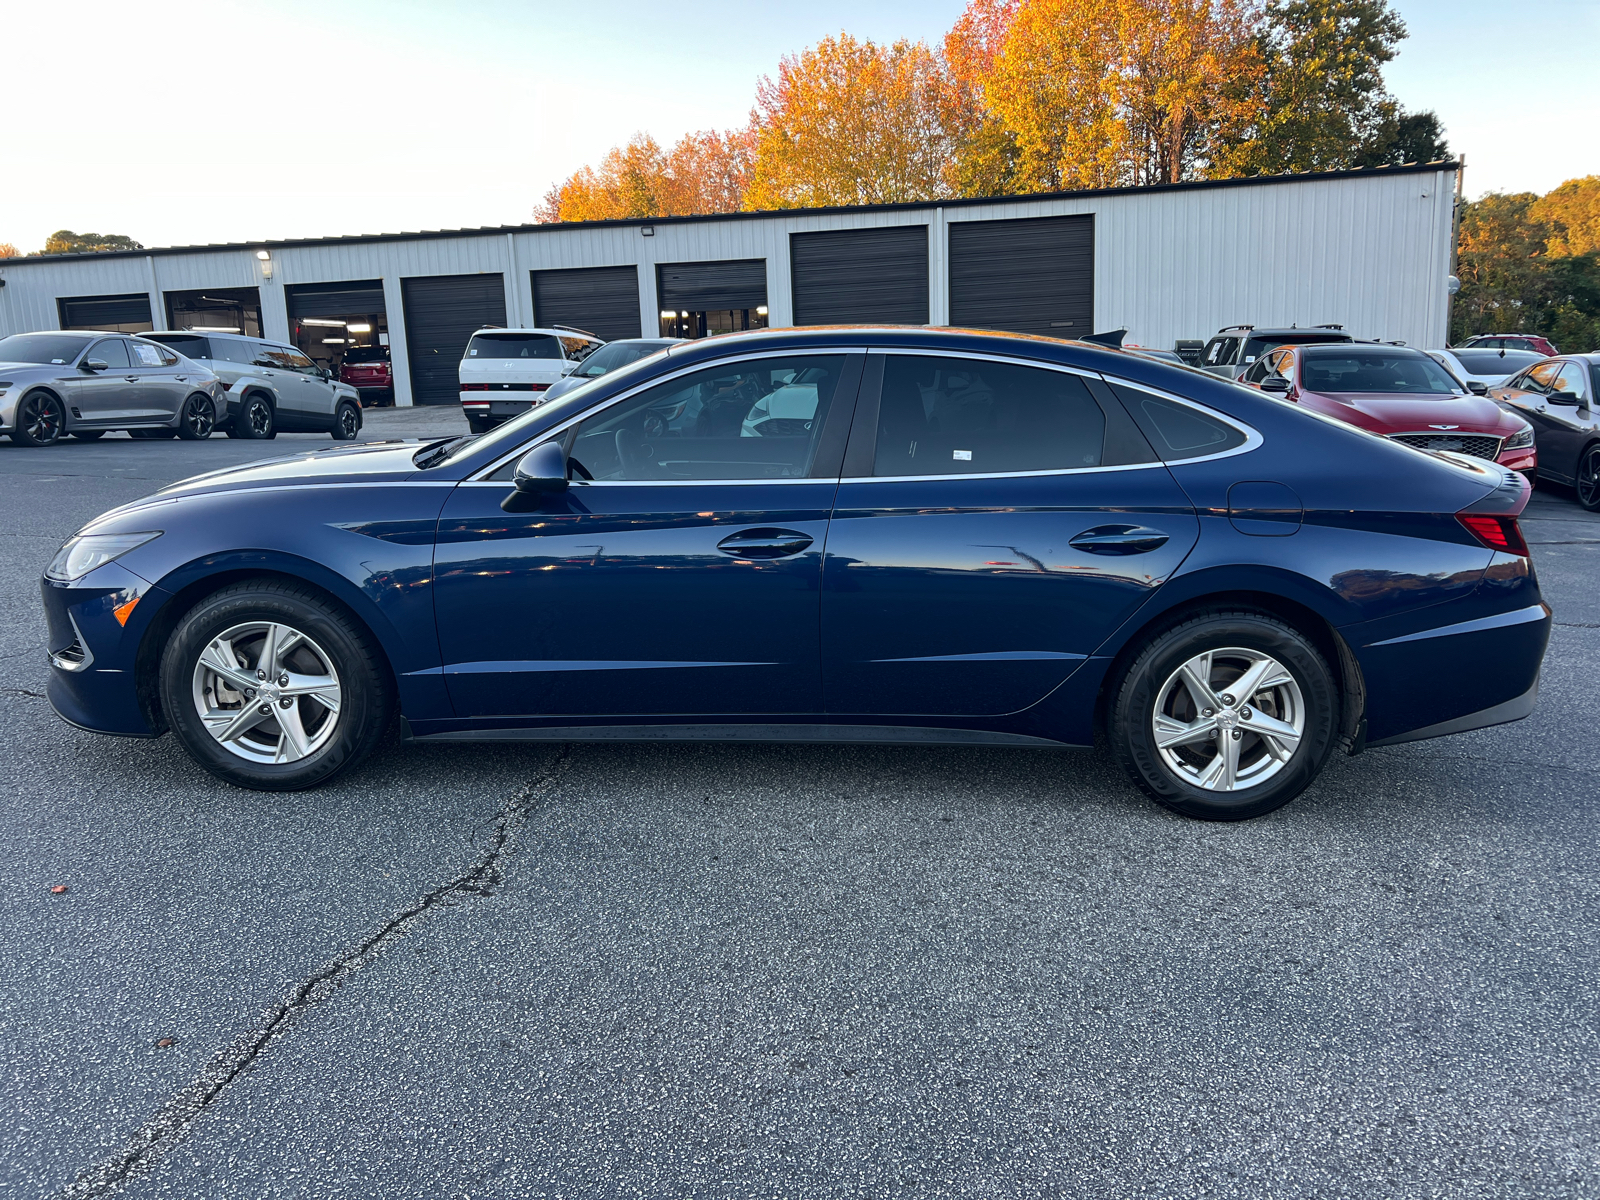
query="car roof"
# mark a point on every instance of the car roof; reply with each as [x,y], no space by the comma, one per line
[537,329]
[205,333]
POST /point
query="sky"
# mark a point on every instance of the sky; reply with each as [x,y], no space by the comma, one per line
[297,118]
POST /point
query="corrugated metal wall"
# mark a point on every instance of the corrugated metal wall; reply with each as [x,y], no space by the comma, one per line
[1370,251]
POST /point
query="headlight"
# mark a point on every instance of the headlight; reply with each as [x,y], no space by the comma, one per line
[83,554]
[1521,440]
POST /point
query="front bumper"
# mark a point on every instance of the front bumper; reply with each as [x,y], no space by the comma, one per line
[94,677]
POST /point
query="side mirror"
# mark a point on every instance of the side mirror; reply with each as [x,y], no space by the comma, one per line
[542,472]
[1477,387]
[1563,398]
[567,368]
[1274,383]
[96,364]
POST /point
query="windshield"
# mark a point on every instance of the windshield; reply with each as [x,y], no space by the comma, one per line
[551,412]
[1495,362]
[513,345]
[617,354]
[1394,372]
[42,347]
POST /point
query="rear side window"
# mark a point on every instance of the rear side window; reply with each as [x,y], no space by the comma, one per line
[1178,431]
[150,354]
[513,345]
[234,350]
[952,416]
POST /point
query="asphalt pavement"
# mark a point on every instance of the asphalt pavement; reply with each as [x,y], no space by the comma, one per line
[734,971]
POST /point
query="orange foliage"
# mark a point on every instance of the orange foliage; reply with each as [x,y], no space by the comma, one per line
[702,173]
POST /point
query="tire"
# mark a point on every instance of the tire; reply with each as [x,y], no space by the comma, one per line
[151,435]
[1187,770]
[346,423]
[40,420]
[1586,479]
[198,418]
[88,435]
[480,424]
[255,420]
[267,752]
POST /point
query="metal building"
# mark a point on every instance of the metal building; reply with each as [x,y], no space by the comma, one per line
[1368,249]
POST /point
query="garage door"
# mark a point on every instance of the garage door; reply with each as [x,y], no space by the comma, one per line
[124,314]
[603,301]
[705,286]
[845,276]
[442,313]
[355,298]
[1034,276]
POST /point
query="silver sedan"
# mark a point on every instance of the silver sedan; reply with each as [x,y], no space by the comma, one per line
[88,384]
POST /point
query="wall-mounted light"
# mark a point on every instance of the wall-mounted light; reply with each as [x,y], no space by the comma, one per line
[362,328]
[266,263]
[333,341]
[761,310]
[668,315]
[647,231]
[328,321]
[684,315]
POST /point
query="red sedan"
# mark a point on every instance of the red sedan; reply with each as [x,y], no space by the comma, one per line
[1399,393]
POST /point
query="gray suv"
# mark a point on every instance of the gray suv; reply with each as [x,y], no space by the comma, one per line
[88,384]
[1235,347]
[270,388]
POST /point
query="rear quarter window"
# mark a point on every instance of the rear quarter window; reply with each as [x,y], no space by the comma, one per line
[1178,431]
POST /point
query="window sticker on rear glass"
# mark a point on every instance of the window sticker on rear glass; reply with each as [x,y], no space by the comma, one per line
[149,356]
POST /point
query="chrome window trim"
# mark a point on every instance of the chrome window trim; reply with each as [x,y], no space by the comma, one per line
[1002,474]
[480,475]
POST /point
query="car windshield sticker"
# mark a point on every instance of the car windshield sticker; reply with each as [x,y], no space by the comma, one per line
[149,356]
[961,455]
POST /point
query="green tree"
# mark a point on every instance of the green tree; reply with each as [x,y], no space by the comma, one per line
[1323,101]
[64,241]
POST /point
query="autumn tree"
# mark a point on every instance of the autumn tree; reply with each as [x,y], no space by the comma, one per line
[704,172]
[983,157]
[64,241]
[851,122]
[1323,102]
[7,250]
[1106,93]
[1572,214]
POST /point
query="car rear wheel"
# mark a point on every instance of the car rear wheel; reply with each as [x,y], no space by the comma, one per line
[198,419]
[1588,477]
[255,420]
[346,423]
[271,687]
[40,420]
[1227,716]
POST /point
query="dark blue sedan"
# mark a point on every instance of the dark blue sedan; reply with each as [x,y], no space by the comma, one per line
[863,535]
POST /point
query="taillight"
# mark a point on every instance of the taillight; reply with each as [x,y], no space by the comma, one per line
[1496,531]
[474,387]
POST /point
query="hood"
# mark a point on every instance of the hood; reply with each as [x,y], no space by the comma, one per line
[372,462]
[1384,412]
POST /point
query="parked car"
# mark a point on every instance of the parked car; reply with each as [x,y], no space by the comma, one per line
[369,371]
[1560,397]
[1398,393]
[505,372]
[89,384]
[975,539]
[1511,341]
[1486,367]
[1237,346]
[1166,356]
[608,358]
[271,388]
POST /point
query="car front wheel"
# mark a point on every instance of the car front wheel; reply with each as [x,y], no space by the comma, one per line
[1588,478]
[1227,716]
[346,423]
[269,686]
[40,420]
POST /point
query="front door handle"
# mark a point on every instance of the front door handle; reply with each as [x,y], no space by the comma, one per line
[130,379]
[1120,539]
[764,543]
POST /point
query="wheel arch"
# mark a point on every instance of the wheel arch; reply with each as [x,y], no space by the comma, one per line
[1299,616]
[188,589]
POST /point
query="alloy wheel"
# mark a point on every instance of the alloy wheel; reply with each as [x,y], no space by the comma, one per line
[1228,719]
[267,692]
[349,422]
[260,417]
[198,417]
[40,419]
[1589,478]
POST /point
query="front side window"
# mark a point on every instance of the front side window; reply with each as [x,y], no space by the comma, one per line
[1376,372]
[1574,378]
[1541,378]
[952,416]
[758,419]
[513,345]
[297,361]
[112,351]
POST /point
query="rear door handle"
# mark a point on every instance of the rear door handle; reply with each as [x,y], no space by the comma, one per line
[1120,539]
[764,543]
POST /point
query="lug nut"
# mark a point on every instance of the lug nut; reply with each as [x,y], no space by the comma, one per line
[285,702]
[1213,735]
[1225,698]
[1208,712]
[283,679]
[1237,735]
[1245,712]
[266,708]
[261,674]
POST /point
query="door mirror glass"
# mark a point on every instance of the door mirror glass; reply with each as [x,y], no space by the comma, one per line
[1274,383]
[1477,387]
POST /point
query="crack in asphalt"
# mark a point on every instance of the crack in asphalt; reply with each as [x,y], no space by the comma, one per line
[164,1130]
[1577,624]
[14,691]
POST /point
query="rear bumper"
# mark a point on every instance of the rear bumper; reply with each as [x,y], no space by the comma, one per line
[1511,710]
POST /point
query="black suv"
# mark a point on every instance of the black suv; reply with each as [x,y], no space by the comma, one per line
[1237,346]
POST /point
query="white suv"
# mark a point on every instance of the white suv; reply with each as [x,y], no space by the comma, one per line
[504,371]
